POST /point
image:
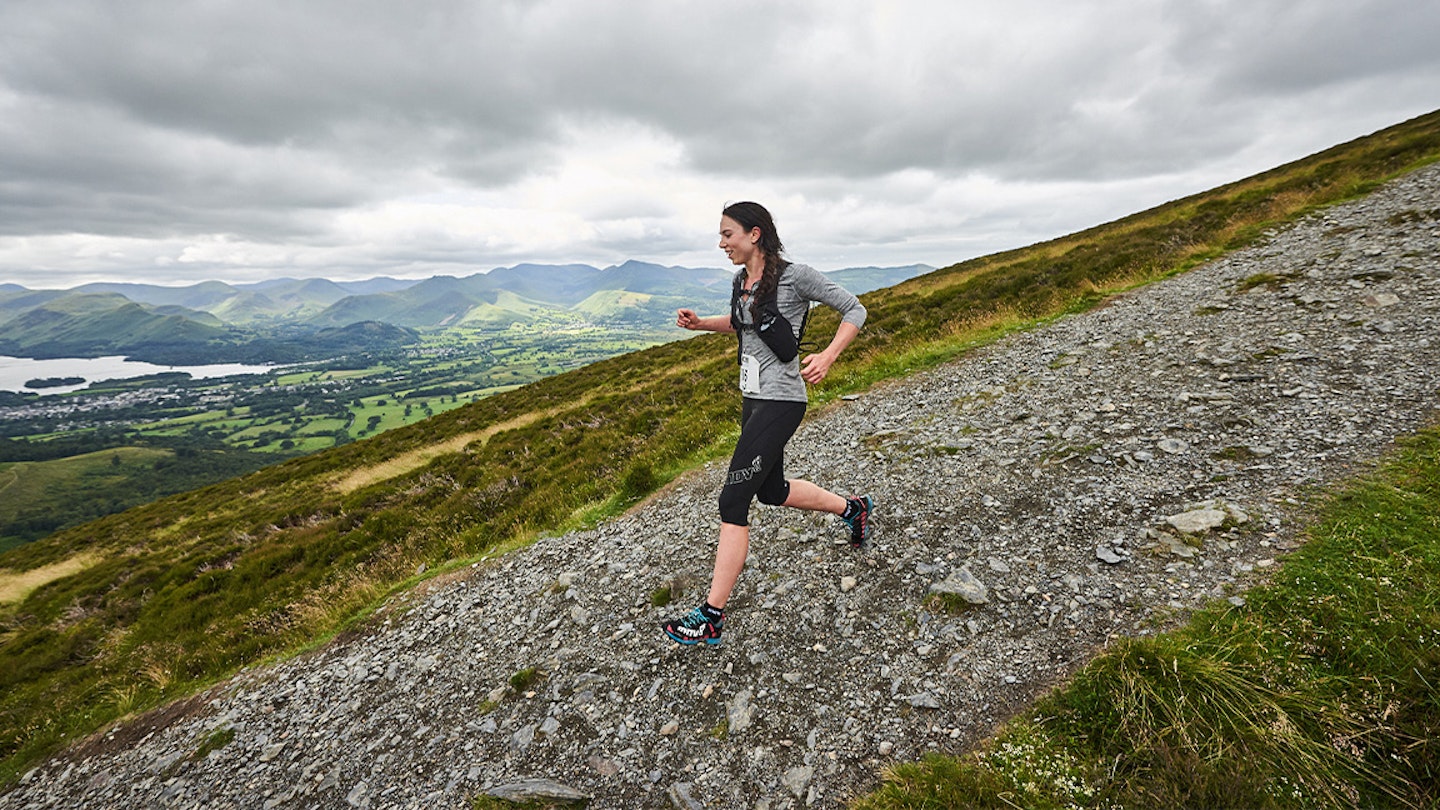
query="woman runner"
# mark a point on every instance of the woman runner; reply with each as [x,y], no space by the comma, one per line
[769,303]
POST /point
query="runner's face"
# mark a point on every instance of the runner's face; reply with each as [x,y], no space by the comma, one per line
[736,242]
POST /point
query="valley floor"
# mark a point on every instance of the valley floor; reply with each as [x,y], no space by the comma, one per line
[1048,466]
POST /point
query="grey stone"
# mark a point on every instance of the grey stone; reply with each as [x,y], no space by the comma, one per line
[603,766]
[740,712]
[331,780]
[963,584]
[797,779]
[682,797]
[924,700]
[521,739]
[1176,546]
[538,790]
[1172,446]
[1197,521]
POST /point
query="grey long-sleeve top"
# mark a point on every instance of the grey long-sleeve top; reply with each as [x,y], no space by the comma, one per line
[799,285]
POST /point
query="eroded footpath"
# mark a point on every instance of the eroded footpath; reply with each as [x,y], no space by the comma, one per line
[1092,479]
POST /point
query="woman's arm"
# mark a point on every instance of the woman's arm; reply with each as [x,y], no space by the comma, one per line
[816,366]
[687,319]
[816,286]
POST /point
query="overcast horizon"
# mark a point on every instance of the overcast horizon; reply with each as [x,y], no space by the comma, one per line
[178,284]
[173,143]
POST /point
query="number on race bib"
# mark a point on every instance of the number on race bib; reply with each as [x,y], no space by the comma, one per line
[749,375]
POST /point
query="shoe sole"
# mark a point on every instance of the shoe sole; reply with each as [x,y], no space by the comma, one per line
[690,642]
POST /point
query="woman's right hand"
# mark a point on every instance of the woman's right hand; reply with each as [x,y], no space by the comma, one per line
[687,319]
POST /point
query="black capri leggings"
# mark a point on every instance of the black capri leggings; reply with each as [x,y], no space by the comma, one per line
[757,470]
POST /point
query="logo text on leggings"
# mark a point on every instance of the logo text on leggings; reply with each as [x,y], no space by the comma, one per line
[743,475]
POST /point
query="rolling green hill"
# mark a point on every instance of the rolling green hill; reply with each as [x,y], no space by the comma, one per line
[94,324]
[236,304]
[638,307]
[202,296]
[529,293]
[163,599]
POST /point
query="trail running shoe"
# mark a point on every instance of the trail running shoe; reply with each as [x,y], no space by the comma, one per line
[693,628]
[859,521]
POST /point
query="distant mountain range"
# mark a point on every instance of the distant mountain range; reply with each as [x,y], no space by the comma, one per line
[284,320]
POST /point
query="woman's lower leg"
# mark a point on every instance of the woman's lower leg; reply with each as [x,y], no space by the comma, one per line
[805,495]
[729,561]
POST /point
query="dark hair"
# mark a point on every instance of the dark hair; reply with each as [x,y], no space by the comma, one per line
[752,215]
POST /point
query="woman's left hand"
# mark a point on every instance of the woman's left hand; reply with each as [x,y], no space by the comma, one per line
[815,367]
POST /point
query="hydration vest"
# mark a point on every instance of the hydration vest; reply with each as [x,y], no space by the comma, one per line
[773,328]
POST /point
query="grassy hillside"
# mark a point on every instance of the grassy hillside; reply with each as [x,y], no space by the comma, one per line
[178,593]
[26,487]
[41,496]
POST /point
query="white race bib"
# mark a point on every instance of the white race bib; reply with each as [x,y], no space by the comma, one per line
[749,374]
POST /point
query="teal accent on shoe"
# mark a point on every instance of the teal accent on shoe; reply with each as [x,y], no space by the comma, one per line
[693,628]
[859,523]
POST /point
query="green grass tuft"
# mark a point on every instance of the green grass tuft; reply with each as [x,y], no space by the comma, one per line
[217,740]
[525,678]
[949,603]
[1269,280]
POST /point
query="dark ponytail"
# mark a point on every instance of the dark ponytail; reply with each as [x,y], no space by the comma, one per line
[752,215]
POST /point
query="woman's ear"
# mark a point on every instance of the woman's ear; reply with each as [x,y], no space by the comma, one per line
[755,235]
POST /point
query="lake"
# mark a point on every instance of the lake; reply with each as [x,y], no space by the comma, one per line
[16,371]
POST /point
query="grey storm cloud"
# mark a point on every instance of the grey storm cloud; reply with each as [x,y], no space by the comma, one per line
[263,121]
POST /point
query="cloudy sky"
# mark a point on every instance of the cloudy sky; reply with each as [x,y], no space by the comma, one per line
[180,141]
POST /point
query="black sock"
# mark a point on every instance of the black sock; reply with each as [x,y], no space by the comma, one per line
[711,612]
[852,508]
